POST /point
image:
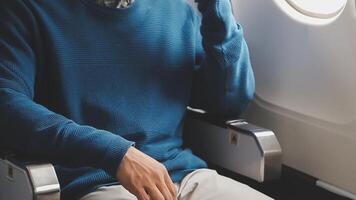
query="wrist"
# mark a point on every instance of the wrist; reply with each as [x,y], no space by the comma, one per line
[115,153]
[125,159]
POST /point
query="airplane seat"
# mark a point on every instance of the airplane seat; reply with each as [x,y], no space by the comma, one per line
[236,145]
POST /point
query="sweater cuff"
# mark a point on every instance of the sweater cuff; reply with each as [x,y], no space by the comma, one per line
[114,154]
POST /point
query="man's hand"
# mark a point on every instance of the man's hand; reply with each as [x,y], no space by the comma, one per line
[145,177]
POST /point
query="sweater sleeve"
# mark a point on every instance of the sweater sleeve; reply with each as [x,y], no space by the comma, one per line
[28,127]
[223,83]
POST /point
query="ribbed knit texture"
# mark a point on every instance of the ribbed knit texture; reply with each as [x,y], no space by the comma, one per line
[81,83]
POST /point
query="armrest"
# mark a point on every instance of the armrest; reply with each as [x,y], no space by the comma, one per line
[235,145]
[23,179]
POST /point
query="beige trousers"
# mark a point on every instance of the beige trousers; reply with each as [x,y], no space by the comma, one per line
[202,184]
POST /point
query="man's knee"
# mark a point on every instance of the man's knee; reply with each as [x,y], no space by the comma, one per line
[231,189]
[208,184]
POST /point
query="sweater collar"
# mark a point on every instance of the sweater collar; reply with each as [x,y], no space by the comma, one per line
[137,6]
[121,4]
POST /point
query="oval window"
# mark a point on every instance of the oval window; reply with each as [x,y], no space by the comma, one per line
[318,8]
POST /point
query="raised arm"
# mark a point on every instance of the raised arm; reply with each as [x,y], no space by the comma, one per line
[31,128]
[224,82]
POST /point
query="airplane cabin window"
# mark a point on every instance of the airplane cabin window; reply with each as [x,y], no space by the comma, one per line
[318,8]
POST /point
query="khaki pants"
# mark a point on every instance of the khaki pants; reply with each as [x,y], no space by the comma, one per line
[202,184]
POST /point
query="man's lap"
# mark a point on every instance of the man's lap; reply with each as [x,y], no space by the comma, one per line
[202,184]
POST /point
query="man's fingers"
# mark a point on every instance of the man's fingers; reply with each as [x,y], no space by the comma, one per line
[154,193]
[142,195]
[163,188]
[170,185]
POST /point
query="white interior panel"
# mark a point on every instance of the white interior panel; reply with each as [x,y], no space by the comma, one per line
[305,71]
[318,8]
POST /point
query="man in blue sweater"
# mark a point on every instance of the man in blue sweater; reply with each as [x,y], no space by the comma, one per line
[100,88]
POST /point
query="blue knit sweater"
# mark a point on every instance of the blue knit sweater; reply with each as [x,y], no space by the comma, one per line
[81,83]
